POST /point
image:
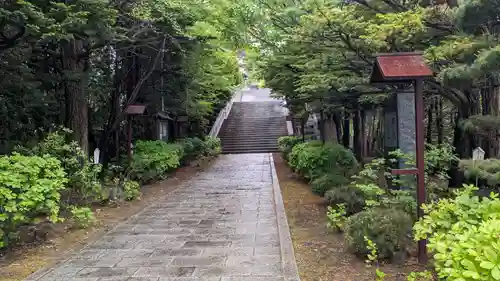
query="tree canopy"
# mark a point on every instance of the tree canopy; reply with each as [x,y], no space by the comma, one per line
[80,63]
[324,51]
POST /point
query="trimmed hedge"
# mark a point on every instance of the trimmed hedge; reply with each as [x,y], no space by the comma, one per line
[196,147]
[326,182]
[351,197]
[389,229]
[286,145]
[314,159]
[153,159]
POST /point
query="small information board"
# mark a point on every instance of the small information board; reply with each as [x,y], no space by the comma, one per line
[478,154]
[97,153]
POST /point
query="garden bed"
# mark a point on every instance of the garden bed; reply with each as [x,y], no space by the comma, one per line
[320,254]
[19,262]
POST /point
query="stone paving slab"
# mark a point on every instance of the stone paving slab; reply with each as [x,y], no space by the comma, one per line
[225,224]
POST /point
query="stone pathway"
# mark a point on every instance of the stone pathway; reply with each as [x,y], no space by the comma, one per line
[225,224]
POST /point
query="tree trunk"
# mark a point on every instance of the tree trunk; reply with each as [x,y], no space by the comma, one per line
[346,130]
[338,126]
[357,142]
[378,133]
[464,141]
[303,128]
[115,109]
[364,134]
[428,135]
[491,106]
[322,126]
[439,119]
[75,92]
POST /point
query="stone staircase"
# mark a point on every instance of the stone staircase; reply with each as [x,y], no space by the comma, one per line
[253,127]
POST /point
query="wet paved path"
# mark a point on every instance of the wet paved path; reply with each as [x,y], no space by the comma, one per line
[222,225]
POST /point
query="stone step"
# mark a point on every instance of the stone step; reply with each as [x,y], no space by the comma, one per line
[250,144]
[249,129]
[254,141]
[251,126]
[248,120]
[250,140]
[262,124]
[245,150]
[256,104]
[254,132]
[263,130]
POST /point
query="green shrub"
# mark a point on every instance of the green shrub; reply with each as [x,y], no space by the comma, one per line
[193,148]
[287,143]
[82,174]
[213,146]
[486,171]
[314,159]
[82,217]
[336,217]
[326,182]
[368,181]
[463,235]
[131,190]
[404,200]
[153,159]
[351,197]
[389,229]
[297,150]
[29,187]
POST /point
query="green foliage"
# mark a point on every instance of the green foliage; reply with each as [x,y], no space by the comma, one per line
[326,182]
[82,174]
[336,217]
[193,147]
[213,146]
[29,188]
[372,255]
[131,190]
[286,144]
[389,229]
[463,235]
[82,217]
[372,178]
[293,159]
[420,276]
[380,275]
[196,147]
[153,159]
[485,171]
[351,198]
[367,184]
[198,70]
[314,159]
[439,159]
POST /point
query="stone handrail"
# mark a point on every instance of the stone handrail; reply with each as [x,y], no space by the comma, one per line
[223,114]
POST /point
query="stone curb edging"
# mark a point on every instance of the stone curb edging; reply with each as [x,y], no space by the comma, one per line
[290,270]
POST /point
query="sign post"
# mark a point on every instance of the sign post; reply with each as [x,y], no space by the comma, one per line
[97,154]
[477,155]
[405,69]
[130,111]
